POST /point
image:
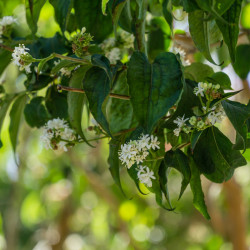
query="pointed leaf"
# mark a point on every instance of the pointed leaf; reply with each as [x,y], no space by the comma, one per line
[96,84]
[230,31]
[238,114]
[195,184]
[215,157]
[113,160]
[104,6]
[155,88]
[195,136]
[178,160]
[76,102]
[220,78]
[117,8]
[15,119]
[198,28]
[167,12]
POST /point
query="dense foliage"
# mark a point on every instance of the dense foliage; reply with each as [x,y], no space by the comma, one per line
[113,57]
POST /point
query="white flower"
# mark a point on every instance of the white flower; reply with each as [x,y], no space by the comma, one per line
[145,175]
[177,131]
[17,57]
[182,53]
[7,20]
[200,89]
[57,134]
[107,44]
[65,72]
[143,142]
[154,142]
[180,121]
[128,39]
[217,115]
[113,55]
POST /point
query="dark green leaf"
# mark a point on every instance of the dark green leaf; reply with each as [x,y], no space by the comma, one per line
[117,8]
[56,103]
[5,58]
[15,119]
[113,161]
[35,112]
[199,30]
[198,71]
[35,82]
[220,78]
[167,12]
[238,114]
[33,9]
[4,106]
[89,14]
[190,5]
[62,11]
[97,87]
[242,62]
[155,88]
[230,31]
[179,161]
[195,137]
[215,157]
[195,184]
[125,20]
[76,101]
[120,113]
[103,63]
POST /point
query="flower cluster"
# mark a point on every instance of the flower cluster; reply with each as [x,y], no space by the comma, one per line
[145,175]
[182,53]
[136,151]
[5,23]
[115,48]
[208,116]
[22,58]
[63,71]
[80,42]
[209,90]
[57,135]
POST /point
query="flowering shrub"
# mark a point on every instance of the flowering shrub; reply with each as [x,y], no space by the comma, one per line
[145,92]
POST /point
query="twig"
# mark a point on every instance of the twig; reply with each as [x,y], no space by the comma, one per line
[6,47]
[117,96]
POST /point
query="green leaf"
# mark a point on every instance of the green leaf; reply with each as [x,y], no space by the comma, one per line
[155,88]
[113,160]
[4,106]
[35,112]
[43,62]
[104,6]
[179,161]
[97,87]
[224,96]
[195,184]
[56,103]
[120,113]
[242,62]
[89,15]
[103,63]
[220,78]
[62,64]
[195,136]
[62,11]
[230,31]
[215,157]
[167,12]
[33,9]
[76,102]
[198,72]
[190,5]
[117,8]
[238,113]
[199,30]
[34,83]
[15,119]
[5,59]
[125,20]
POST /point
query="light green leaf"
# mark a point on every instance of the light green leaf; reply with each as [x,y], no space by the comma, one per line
[33,9]
[154,88]
[198,71]
[15,119]
[220,78]
[104,6]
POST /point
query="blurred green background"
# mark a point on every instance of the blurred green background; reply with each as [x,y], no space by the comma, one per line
[53,201]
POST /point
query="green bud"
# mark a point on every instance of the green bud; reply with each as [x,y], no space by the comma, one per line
[192,120]
[200,124]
